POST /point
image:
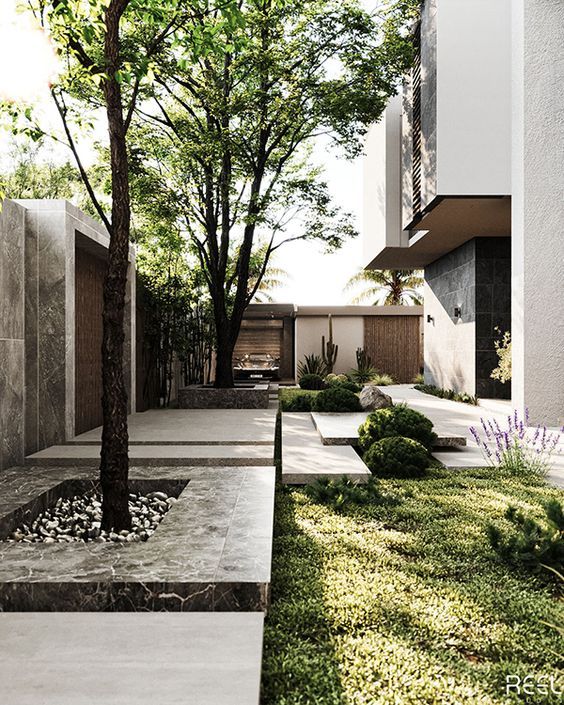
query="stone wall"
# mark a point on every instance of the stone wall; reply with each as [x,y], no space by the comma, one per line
[38,240]
[12,235]
[460,351]
[493,311]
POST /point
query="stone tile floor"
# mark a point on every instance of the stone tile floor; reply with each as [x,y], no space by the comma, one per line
[130,659]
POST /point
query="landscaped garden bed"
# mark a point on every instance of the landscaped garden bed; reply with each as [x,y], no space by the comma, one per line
[404,600]
[210,551]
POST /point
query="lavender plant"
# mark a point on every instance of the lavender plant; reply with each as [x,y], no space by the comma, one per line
[518,449]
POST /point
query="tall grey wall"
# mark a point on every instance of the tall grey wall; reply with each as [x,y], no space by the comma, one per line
[460,352]
[450,359]
[493,311]
[538,208]
[12,233]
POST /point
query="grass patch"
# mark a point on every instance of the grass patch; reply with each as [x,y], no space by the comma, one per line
[406,602]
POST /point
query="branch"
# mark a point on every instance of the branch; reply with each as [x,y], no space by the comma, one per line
[62,110]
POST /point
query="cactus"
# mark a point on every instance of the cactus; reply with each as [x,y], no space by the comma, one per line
[363,359]
[329,351]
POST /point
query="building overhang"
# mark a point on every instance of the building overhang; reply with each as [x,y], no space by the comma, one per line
[447,223]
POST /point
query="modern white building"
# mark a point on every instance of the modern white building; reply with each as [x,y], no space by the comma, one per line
[465,179]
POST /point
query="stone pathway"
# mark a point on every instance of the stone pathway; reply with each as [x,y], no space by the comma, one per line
[157,658]
[305,458]
[223,558]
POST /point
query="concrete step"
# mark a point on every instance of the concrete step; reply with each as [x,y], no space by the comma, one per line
[159,455]
[211,658]
[305,458]
[336,429]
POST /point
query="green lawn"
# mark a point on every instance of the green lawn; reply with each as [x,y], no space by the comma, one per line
[405,602]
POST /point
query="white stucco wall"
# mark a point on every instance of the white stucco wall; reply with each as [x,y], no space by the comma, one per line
[348,334]
[382,184]
[538,209]
[473,97]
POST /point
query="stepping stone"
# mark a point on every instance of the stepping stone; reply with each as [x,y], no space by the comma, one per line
[133,658]
[305,458]
[155,455]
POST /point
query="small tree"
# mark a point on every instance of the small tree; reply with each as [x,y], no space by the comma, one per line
[229,141]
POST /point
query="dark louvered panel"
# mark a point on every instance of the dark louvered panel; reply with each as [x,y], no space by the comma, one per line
[417,132]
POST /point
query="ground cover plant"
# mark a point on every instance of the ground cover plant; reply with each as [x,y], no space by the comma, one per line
[447,394]
[395,602]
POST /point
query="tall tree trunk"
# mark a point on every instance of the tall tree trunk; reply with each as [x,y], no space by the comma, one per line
[224,358]
[114,463]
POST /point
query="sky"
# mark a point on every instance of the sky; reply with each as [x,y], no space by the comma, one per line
[314,277]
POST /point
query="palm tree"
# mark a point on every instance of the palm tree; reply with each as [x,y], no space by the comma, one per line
[273,278]
[390,287]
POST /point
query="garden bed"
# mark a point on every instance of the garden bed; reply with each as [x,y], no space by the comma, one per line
[405,601]
[242,396]
[210,551]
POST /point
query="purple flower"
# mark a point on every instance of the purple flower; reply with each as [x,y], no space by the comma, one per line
[527,417]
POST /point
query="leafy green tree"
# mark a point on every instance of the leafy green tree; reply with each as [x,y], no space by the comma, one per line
[109,50]
[390,287]
[228,139]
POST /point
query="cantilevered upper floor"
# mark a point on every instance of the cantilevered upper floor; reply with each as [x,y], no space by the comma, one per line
[438,164]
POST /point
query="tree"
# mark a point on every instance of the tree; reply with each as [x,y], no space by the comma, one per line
[391,287]
[229,141]
[109,48]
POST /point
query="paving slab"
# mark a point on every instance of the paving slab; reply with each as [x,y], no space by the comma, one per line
[130,659]
[212,550]
[155,455]
[305,458]
[195,427]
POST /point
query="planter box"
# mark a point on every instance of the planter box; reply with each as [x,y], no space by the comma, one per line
[211,551]
[252,396]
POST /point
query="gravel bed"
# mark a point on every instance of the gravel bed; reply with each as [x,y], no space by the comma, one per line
[79,519]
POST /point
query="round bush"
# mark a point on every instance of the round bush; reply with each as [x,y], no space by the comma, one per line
[336,399]
[397,457]
[332,379]
[312,382]
[300,402]
[397,420]
[351,386]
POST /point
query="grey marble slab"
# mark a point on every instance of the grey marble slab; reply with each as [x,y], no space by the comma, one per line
[212,551]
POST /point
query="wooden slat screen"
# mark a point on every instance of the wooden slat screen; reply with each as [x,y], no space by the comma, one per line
[89,277]
[394,343]
[259,340]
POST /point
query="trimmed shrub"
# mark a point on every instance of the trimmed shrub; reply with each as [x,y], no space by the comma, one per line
[446,394]
[335,379]
[397,420]
[299,402]
[397,457]
[311,381]
[336,399]
[345,384]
